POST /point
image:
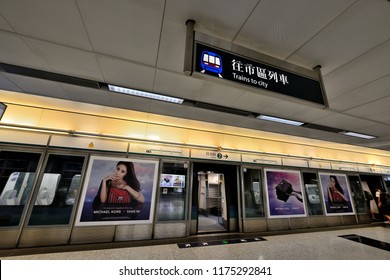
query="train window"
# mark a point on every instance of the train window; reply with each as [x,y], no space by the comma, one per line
[313,196]
[17,174]
[387,183]
[57,191]
[173,181]
[253,193]
[358,196]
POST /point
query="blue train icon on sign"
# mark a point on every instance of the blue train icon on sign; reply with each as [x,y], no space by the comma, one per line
[212,62]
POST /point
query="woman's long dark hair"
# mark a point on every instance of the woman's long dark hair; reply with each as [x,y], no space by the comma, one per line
[338,187]
[130,177]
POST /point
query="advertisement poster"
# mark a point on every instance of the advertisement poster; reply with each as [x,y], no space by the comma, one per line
[172,181]
[336,194]
[118,191]
[284,193]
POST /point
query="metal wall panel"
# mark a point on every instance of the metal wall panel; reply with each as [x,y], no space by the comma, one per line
[349,220]
[44,236]
[81,235]
[254,225]
[364,218]
[168,230]
[278,224]
[9,238]
[317,221]
[297,223]
[333,221]
[133,232]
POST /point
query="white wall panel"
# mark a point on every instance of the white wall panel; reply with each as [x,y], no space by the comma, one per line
[88,143]
[21,137]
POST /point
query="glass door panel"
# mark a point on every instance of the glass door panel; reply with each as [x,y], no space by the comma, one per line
[173,190]
[58,189]
[312,191]
[253,193]
[17,175]
[358,195]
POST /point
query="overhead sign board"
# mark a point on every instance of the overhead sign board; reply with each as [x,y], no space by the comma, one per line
[226,65]
[158,150]
[215,155]
[261,159]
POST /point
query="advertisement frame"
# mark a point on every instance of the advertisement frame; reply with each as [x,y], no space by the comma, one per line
[90,187]
[336,209]
[279,204]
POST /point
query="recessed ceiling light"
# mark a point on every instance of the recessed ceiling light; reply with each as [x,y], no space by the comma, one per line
[279,120]
[359,135]
[145,94]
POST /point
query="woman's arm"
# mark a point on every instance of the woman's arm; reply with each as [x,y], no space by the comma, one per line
[104,190]
[136,195]
[330,195]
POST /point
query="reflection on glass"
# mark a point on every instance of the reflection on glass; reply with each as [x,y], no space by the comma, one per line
[253,194]
[171,205]
[387,184]
[17,174]
[312,190]
[17,189]
[57,190]
[358,196]
[47,189]
[73,190]
[313,194]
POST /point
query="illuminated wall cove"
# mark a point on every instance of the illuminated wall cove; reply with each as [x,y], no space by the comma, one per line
[125,126]
[61,183]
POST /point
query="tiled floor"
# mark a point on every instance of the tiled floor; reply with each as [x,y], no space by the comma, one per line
[326,245]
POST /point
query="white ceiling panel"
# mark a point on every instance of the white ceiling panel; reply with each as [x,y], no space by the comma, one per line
[223,18]
[344,35]
[363,69]
[345,122]
[223,95]
[255,102]
[171,55]
[311,114]
[37,86]
[278,28]
[177,85]
[123,101]
[52,20]
[14,50]
[67,61]
[286,109]
[6,84]
[379,130]
[378,110]
[125,29]
[84,94]
[126,74]
[4,24]
[373,91]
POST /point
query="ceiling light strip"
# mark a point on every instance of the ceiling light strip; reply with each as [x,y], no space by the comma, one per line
[279,120]
[358,135]
[145,94]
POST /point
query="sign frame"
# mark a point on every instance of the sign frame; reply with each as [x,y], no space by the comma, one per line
[118,214]
[284,207]
[218,46]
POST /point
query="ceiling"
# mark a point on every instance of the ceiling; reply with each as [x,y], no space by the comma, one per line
[140,44]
